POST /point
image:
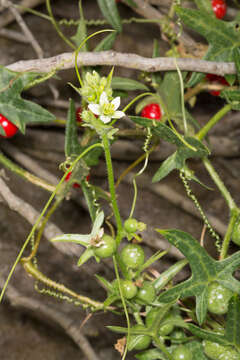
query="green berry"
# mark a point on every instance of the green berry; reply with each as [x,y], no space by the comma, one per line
[107,247]
[147,293]
[213,350]
[181,353]
[129,289]
[139,342]
[131,225]
[132,256]
[218,298]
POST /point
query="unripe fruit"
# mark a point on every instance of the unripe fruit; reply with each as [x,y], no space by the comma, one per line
[182,353]
[147,293]
[132,255]
[218,298]
[107,247]
[131,225]
[143,341]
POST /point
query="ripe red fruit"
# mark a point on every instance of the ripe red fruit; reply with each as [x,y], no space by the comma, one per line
[220,8]
[9,128]
[75,185]
[217,79]
[152,111]
[78,114]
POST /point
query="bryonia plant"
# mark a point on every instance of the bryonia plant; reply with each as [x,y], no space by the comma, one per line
[197,318]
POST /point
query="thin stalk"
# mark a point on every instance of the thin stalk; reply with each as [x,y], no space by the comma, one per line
[124,306]
[55,24]
[227,237]
[222,188]
[111,185]
[162,347]
[218,116]
[41,230]
[25,174]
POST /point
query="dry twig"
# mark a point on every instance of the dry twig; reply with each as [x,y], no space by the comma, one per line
[132,61]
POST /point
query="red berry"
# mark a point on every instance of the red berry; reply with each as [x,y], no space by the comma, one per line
[152,111]
[220,8]
[217,79]
[78,114]
[9,128]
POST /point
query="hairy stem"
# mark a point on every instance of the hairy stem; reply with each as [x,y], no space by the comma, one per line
[222,188]
[227,237]
[218,116]
[111,184]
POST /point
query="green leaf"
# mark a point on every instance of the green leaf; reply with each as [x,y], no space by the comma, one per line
[205,5]
[150,261]
[159,129]
[87,190]
[75,238]
[13,107]
[169,274]
[232,97]
[110,12]
[232,332]
[222,36]
[170,94]
[236,58]
[81,35]
[121,83]
[86,255]
[171,163]
[177,160]
[72,147]
[206,335]
[106,284]
[106,43]
[197,350]
[205,270]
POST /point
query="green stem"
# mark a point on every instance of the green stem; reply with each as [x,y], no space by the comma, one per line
[25,174]
[222,188]
[227,237]
[124,306]
[162,347]
[111,184]
[55,24]
[57,188]
[203,132]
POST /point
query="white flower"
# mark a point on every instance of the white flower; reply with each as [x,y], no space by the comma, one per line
[107,110]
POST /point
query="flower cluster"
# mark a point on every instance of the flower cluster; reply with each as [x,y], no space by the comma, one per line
[93,86]
[102,107]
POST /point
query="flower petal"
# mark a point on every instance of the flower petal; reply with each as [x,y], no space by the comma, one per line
[105,119]
[95,108]
[103,99]
[116,102]
[118,114]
